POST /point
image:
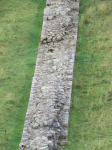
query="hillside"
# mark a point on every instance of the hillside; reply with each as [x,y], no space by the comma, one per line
[20,29]
[91,109]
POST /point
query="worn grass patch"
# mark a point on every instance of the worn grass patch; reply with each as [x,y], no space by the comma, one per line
[20,30]
[91,108]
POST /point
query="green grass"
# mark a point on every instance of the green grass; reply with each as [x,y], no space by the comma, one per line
[20,30]
[91,108]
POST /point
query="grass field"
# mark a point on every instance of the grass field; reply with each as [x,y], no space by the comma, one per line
[91,109]
[20,29]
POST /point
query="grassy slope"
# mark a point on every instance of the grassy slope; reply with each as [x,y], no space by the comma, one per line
[20,29]
[91,109]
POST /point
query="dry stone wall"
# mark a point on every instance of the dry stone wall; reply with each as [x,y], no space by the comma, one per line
[47,118]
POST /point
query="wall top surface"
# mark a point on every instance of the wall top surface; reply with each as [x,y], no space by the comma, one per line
[47,118]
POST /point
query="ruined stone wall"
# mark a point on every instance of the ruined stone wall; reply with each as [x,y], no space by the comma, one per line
[47,118]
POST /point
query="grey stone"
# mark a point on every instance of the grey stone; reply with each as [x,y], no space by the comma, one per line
[67,32]
[54,39]
[49,39]
[51,70]
[43,148]
[68,21]
[48,2]
[62,101]
[45,123]
[63,142]
[35,148]
[66,108]
[49,62]
[59,105]
[59,38]
[49,17]
[35,126]
[50,143]
[47,11]
[43,37]
[70,78]
[64,133]
[57,124]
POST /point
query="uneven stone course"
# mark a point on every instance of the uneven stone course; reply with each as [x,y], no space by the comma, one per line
[47,118]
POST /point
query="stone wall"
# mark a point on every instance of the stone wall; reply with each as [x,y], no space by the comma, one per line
[47,118]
